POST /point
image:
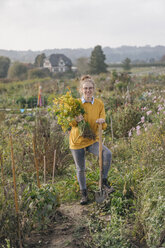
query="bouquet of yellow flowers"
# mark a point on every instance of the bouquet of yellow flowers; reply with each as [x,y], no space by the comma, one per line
[66,108]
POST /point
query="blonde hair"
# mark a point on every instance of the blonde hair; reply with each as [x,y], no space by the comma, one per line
[84,79]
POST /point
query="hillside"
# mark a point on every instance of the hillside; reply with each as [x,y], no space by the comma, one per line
[113,55]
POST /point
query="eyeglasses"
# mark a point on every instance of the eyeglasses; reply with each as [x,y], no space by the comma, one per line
[88,88]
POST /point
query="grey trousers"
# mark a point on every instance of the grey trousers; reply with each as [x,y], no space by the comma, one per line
[79,159]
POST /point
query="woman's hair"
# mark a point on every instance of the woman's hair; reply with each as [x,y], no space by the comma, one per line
[84,79]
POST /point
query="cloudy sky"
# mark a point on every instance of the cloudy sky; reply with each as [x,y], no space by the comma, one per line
[48,24]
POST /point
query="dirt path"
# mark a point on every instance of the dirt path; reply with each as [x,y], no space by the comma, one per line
[68,231]
[71,231]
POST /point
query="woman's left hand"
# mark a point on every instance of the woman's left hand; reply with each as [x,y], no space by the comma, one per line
[100,121]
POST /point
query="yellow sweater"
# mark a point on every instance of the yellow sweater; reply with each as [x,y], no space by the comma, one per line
[92,113]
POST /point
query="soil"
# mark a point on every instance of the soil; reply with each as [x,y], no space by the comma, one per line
[69,229]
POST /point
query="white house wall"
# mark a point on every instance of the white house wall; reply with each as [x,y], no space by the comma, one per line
[60,68]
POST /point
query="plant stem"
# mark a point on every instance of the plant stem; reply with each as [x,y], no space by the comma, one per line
[36,162]
[15,192]
[54,164]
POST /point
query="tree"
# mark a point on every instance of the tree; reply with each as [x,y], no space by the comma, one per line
[126,64]
[97,61]
[18,71]
[4,66]
[39,60]
[82,65]
[38,73]
[162,59]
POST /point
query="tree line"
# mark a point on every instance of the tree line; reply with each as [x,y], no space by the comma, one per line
[19,70]
[93,65]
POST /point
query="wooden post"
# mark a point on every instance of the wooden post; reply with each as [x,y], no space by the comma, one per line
[100,156]
[15,192]
[36,162]
[112,128]
[2,173]
[54,164]
[44,170]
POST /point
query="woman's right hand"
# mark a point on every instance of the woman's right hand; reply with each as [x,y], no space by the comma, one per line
[79,118]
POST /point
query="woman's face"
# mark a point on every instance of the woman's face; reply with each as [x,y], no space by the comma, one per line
[87,91]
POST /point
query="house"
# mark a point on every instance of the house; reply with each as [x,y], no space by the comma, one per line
[57,63]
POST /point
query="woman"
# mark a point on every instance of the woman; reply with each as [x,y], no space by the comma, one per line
[94,115]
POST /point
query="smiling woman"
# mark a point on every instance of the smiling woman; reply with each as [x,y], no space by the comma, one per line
[87,88]
[94,115]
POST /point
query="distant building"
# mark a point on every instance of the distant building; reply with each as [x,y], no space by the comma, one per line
[57,63]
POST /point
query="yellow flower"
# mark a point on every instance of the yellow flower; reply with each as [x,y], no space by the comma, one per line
[66,108]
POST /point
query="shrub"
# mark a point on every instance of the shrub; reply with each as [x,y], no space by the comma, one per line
[21,101]
[49,137]
[32,102]
[123,120]
[40,204]
[38,73]
[111,234]
[149,147]
[18,71]
[152,209]
[8,220]
[121,86]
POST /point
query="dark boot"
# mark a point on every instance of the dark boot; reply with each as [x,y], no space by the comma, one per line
[107,187]
[84,197]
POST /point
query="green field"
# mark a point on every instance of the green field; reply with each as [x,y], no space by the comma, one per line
[135,114]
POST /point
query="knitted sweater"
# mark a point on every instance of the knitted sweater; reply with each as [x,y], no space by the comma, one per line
[92,113]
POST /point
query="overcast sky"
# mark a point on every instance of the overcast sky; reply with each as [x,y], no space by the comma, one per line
[48,24]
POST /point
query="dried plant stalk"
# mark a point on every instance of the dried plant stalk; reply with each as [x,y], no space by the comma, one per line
[14,179]
[15,192]
[36,161]
[2,173]
[54,164]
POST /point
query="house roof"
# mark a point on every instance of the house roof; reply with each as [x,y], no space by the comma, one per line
[54,59]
